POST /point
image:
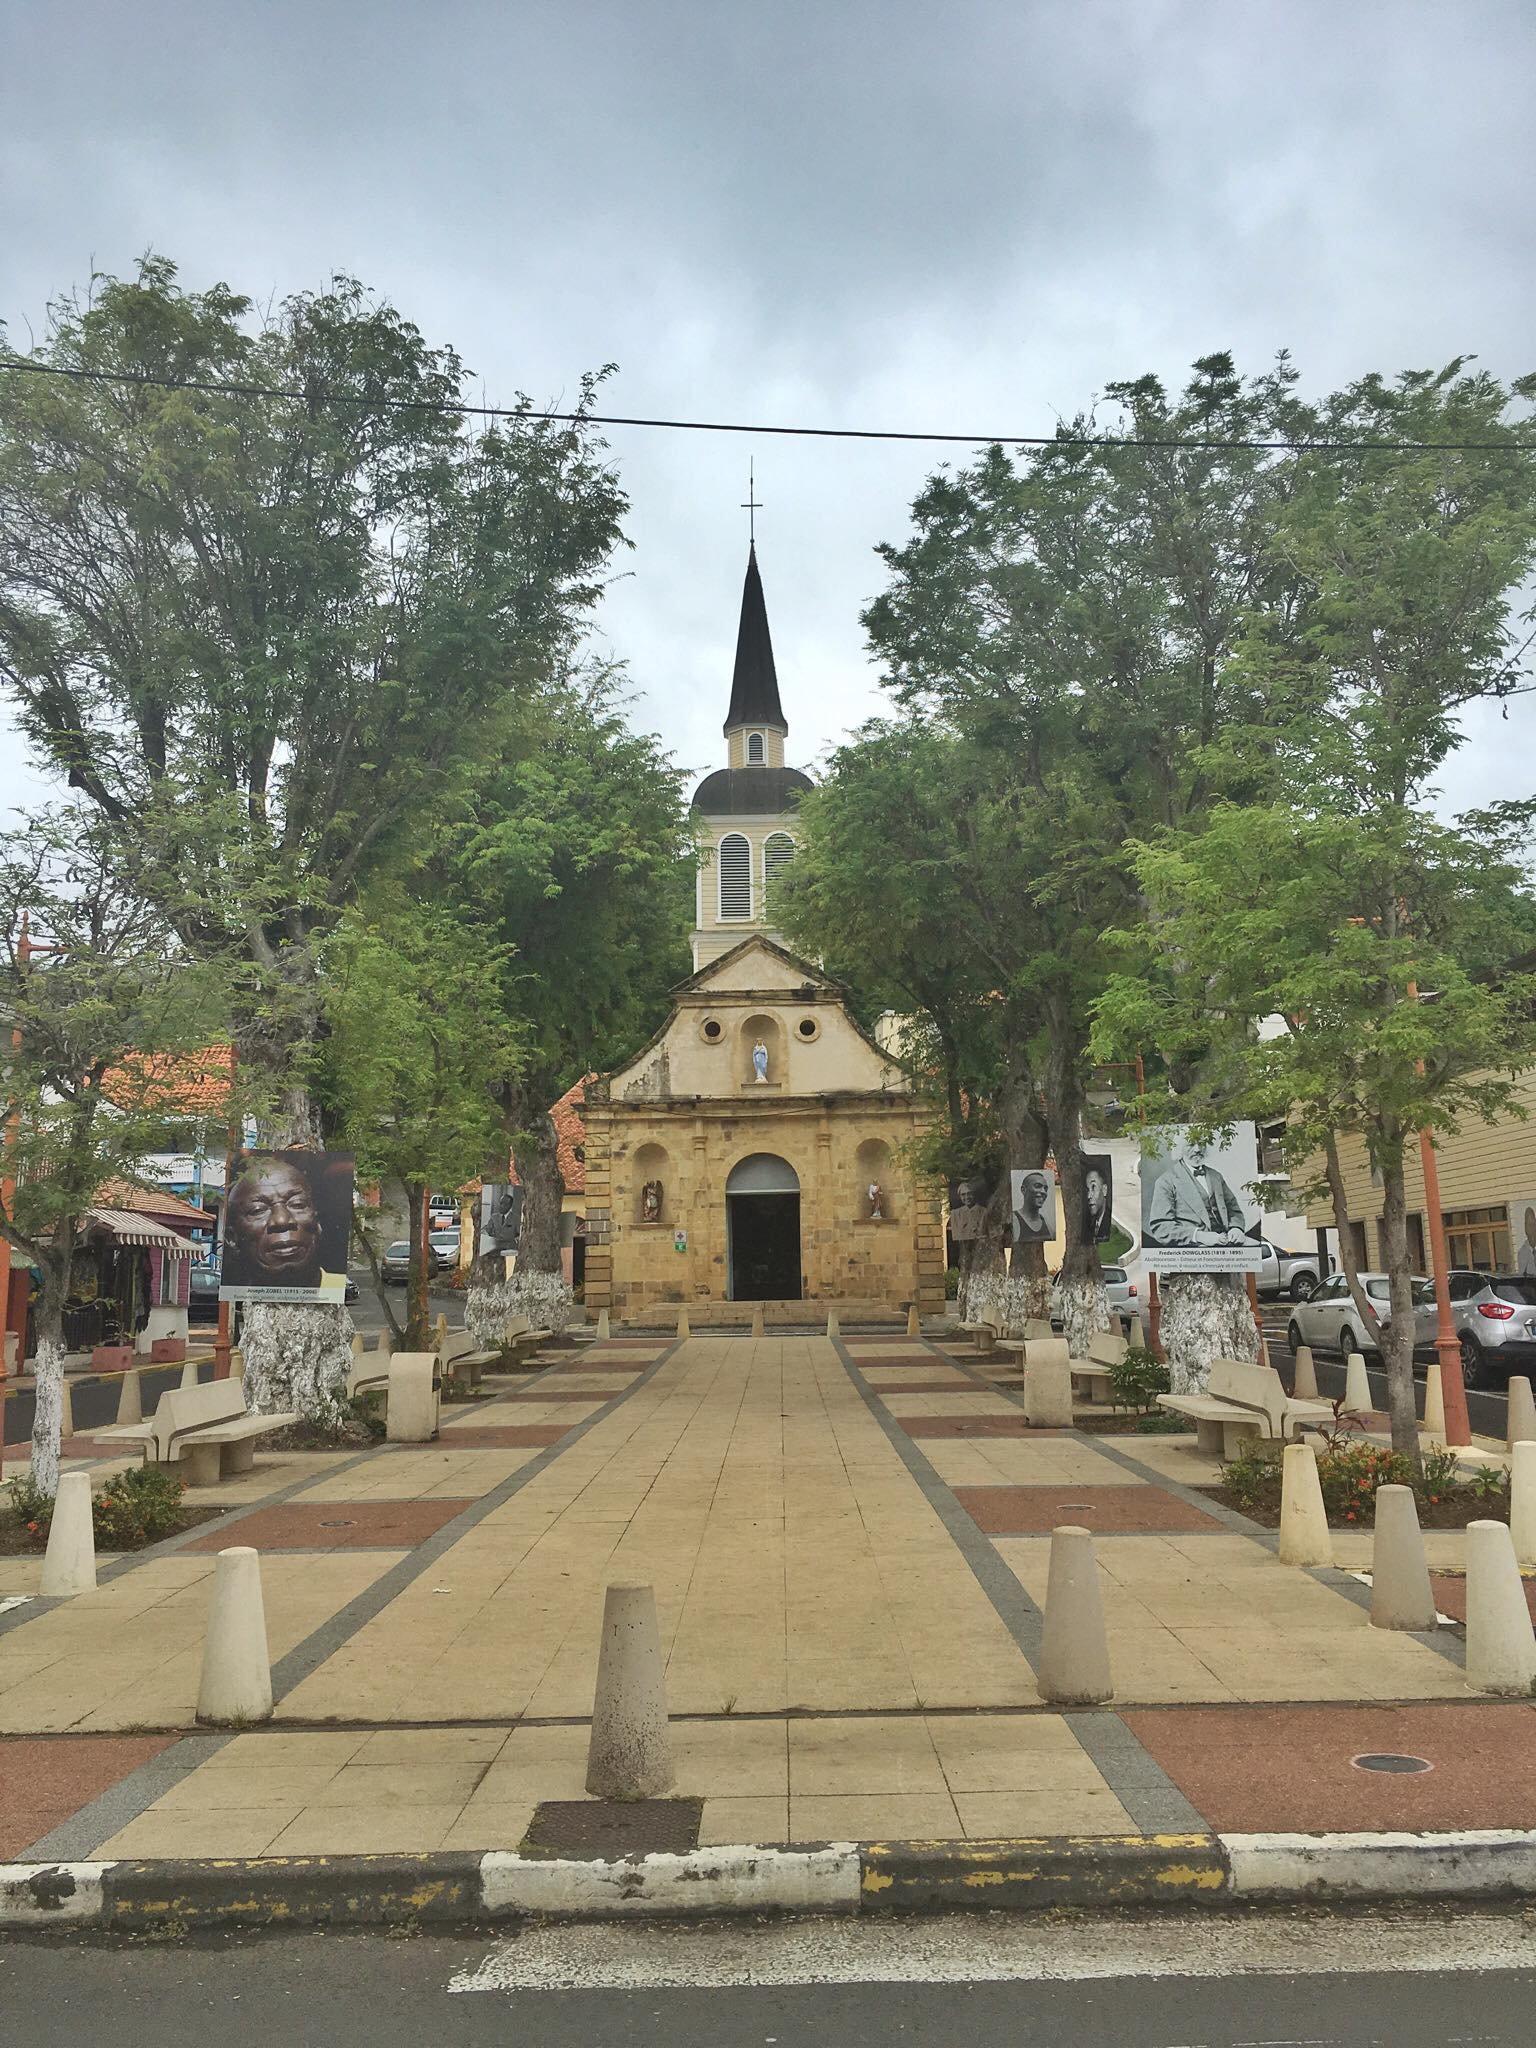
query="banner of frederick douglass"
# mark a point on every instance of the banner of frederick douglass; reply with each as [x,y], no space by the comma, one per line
[1197,1215]
[287,1221]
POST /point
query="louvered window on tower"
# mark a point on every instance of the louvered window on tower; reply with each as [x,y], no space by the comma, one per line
[735,876]
[778,852]
[755,755]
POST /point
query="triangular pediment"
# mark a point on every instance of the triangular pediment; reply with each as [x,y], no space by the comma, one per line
[757,963]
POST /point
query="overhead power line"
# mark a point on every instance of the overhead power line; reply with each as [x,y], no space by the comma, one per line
[1213,444]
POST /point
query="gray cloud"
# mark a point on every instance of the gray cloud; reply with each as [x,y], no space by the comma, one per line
[966,216]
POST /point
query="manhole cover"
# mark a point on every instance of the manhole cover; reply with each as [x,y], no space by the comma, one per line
[338,1525]
[612,1828]
[1389,1762]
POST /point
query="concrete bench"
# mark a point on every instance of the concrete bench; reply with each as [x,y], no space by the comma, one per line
[370,1369]
[1244,1401]
[522,1341]
[1094,1375]
[462,1360]
[206,1428]
[985,1335]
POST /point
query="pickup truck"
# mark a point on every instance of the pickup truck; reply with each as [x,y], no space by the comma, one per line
[1293,1274]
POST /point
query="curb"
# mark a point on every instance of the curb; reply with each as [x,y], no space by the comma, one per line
[445,1888]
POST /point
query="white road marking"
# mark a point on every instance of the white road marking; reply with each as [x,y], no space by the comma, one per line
[976,1949]
[15,1600]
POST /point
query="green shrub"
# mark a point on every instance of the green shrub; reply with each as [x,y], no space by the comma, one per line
[1137,1381]
[1489,1484]
[1351,1472]
[31,1507]
[135,1507]
[952,1283]
[1440,1472]
[1253,1476]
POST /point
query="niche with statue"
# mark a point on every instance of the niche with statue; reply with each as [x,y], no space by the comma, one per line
[876,1198]
[760,1053]
[654,1185]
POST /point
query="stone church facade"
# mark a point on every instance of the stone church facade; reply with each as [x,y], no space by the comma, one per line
[758,1148]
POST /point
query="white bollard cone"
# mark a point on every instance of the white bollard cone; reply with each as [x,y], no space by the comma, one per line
[359,1344]
[237,1365]
[1520,1427]
[1401,1596]
[683,1329]
[603,1331]
[70,1564]
[237,1672]
[630,1752]
[1522,1503]
[1305,1388]
[834,1327]
[1357,1385]
[440,1333]
[914,1322]
[130,1398]
[757,1320]
[1135,1335]
[66,1409]
[188,1376]
[1501,1645]
[1434,1403]
[1074,1650]
[1047,1383]
[1304,1535]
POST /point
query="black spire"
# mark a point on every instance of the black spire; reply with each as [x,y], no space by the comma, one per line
[755,683]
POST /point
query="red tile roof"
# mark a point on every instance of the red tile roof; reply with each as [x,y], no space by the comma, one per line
[187,1084]
[157,1202]
[571,1130]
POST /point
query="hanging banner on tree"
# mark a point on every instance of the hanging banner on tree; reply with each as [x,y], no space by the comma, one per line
[1034,1205]
[968,1198]
[1098,1197]
[1522,1234]
[1197,1215]
[287,1224]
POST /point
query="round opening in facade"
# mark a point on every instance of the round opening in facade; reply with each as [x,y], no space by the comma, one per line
[712,1029]
[807,1027]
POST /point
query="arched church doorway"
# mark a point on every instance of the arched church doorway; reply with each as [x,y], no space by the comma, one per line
[762,1229]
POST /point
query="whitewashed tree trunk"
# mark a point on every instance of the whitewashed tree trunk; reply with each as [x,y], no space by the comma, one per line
[1205,1316]
[48,1415]
[1084,1310]
[297,1356]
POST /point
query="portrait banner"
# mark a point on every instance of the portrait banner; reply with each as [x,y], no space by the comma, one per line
[1098,1197]
[968,1199]
[1034,1205]
[1522,1234]
[1197,1212]
[287,1227]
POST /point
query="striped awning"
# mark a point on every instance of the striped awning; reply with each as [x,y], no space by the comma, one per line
[125,1228]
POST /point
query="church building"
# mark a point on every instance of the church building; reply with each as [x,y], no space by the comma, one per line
[757,1148]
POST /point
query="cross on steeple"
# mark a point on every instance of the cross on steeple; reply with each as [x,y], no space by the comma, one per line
[752,507]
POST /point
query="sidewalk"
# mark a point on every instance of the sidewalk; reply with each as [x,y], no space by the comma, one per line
[848,1544]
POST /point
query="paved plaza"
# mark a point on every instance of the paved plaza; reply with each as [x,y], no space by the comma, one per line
[848,1543]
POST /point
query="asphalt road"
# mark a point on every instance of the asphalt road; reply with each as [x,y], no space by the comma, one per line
[1190,1981]
[1486,1411]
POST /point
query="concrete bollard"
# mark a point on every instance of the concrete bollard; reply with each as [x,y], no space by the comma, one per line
[834,1327]
[130,1398]
[236,1684]
[1304,1535]
[1401,1596]
[359,1344]
[237,1365]
[757,1319]
[188,1376]
[1074,1650]
[1135,1335]
[1357,1385]
[440,1333]
[914,1321]
[1522,1503]
[1520,1426]
[70,1564]
[1047,1383]
[603,1331]
[1305,1388]
[1501,1645]
[629,1755]
[66,1409]
[411,1413]
[682,1323]
[1434,1403]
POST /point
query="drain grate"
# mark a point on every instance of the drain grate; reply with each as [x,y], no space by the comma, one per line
[614,1828]
[1387,1761]
[338,1525]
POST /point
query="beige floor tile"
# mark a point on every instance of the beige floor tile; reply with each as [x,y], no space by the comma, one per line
[208,1790]
[483,1825]
[862,1754]
[372,1786]
[999,1816]
[1010,1753]
[350,1831]
[729,1821]
[237,1831]
[278,1750]
[873,1817]
[432,1746]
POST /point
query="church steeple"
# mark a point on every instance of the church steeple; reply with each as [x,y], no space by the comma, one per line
[754,682]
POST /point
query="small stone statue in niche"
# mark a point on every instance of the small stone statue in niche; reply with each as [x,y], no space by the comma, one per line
[650,1202]
[876,1203]
[760,1060]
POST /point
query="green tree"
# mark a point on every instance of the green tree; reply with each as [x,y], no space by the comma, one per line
[263,613]
[1327,893]
[577,855]
[102,1009]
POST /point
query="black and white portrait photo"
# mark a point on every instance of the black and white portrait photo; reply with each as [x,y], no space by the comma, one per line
[287,1223]
[968,1198]
[1034,1205]
[1098,1197]
[1197,1215]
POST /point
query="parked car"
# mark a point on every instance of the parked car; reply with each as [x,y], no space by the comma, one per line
[1329,1320]
[203,1301]
[1121,1291]
[445,1249]
[1296,1274]
[395,1266]
[1494,1317]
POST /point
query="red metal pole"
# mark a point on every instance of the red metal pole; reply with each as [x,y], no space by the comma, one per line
[1453,1392]
[221,1342]
[1154,1299]
[8,1204]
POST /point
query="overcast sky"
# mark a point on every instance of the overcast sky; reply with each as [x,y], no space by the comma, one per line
[914,214]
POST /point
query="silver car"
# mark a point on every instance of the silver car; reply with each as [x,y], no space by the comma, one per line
[1120,1289]
[1330,1321]
[1494,1317]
